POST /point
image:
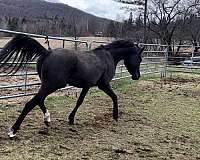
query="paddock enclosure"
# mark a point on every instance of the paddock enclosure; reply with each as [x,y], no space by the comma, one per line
[159,114]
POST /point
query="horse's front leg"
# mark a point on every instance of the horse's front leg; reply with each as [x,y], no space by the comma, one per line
[78,103]
[108,90]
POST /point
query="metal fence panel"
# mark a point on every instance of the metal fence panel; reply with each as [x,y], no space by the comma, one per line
[26,82]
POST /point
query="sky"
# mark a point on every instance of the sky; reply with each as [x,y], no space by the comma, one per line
[102,8]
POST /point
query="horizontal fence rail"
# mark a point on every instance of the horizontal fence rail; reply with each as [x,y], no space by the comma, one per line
[43,36]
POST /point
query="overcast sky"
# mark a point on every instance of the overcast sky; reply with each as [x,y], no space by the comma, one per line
[102,8]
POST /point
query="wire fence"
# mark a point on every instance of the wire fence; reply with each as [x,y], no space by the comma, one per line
[26,82]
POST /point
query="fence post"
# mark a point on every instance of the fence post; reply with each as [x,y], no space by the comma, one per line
[87,46]
[63,44]
[90,45]
[25,79]
[76,45]
[193,49]
[166,60]
[192,58]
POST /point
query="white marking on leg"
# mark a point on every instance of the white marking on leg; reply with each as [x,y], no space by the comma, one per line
[47,117]
[10,133]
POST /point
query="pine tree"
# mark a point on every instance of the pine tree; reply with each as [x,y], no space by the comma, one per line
[138,3]
[130,20]
[112,30]
[12,24]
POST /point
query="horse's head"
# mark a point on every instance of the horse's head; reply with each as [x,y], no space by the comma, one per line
[132,61]
[129,52]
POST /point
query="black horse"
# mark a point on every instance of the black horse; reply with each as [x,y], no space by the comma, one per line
[59,67]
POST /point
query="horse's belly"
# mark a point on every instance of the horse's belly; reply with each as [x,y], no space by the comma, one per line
[81,83]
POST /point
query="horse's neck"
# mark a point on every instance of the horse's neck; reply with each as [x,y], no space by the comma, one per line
[117,56]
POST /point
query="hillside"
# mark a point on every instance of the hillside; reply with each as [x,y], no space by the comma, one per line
[39,16]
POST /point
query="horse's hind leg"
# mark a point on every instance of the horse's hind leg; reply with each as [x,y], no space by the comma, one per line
[38,99]
[78,103]
[46,113]
[107,89]
[28,107]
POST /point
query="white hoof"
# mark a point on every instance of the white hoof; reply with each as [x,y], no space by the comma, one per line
[47,117]
[10,133]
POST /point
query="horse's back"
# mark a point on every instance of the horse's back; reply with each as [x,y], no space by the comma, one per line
[80,69]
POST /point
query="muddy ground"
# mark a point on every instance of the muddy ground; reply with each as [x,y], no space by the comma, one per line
[159,119]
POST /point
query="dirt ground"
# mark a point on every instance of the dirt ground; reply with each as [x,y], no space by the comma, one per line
[159,119]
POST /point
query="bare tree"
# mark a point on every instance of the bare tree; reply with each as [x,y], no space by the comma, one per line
[192,27]
[163,16]
[75,28]
[142,7]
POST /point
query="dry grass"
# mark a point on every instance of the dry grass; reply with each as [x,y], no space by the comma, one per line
[59,43]
[159,119]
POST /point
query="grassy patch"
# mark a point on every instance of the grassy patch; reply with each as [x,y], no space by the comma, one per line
[159,119]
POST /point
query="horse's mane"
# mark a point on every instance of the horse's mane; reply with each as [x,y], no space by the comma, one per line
[117,44]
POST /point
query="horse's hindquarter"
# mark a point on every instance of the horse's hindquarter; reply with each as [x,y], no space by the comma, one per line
[57,67]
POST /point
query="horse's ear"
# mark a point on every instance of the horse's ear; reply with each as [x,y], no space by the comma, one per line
[142,49]
[140,45]
[102,46]
[137,44]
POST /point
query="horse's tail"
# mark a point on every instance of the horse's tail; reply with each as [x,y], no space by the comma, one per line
[20,50]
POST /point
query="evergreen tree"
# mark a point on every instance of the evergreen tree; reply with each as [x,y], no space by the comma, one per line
[112,30]
[142,3]
[12,24]
[130,20]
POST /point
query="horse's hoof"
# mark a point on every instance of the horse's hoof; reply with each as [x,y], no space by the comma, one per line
[71,119]
[71,122]
[11,133]
[44,131]
[47,124]
[115,118]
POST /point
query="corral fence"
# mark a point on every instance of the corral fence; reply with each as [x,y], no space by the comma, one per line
[183,59]
[26,82]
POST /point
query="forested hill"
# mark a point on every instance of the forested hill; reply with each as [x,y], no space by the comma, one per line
[39,16]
